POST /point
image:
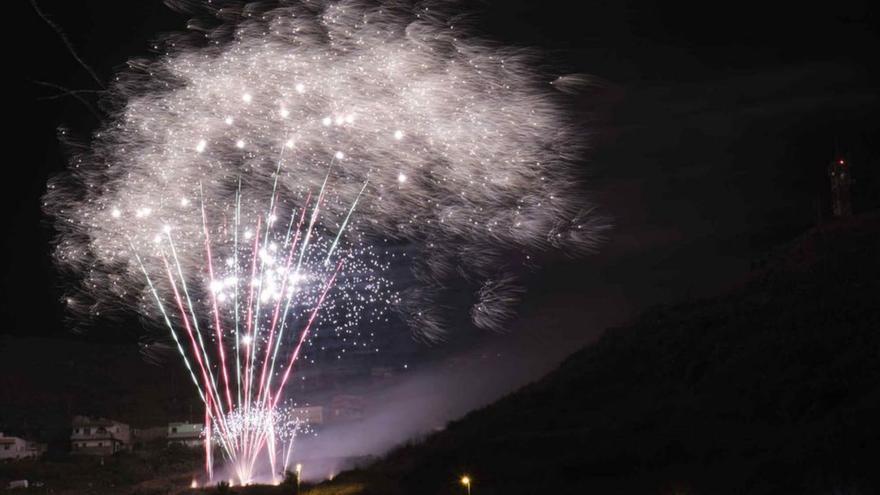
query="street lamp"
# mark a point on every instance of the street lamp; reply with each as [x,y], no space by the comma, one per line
[466,481]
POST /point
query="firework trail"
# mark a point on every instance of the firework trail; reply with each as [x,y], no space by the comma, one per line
[257,175]
[242,417]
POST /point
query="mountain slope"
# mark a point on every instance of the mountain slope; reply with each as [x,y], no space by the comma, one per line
[773,388]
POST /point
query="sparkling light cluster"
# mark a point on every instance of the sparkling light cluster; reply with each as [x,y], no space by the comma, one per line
[280,425]
[241,318]
[258,177]
[467,151]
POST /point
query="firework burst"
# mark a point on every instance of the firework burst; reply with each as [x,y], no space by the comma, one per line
[253,174]
[260,291]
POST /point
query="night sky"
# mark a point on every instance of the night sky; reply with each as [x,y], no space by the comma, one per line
[710,127]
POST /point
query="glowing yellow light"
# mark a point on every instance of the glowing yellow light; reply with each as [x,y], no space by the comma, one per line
[466,481]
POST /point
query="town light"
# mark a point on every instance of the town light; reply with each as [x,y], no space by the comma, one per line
[466,481]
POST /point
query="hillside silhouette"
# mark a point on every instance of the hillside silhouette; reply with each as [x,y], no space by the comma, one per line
[771,388]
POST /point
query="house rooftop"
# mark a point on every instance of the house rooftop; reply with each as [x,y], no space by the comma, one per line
[87,421]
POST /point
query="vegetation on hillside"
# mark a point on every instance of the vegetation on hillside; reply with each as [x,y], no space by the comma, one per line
[772,388]
[153,471]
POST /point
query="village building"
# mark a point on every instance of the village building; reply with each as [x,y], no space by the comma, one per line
[15,448]
[99,436]
[186,434]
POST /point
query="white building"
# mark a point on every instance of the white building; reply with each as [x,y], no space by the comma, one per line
[186,434]
[99,436]
[12,448]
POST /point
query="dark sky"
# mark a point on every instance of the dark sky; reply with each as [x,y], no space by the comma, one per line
[710,136]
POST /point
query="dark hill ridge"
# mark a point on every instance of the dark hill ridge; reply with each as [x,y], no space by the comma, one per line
[773,388]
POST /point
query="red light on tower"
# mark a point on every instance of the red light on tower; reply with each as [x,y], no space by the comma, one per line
[840,188]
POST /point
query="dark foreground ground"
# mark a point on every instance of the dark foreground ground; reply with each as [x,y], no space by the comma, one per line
[151,471]
[772,388]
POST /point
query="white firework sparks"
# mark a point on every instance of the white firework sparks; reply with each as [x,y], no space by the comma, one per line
[273,429]
[274,283]
[257,170]
[468,151]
